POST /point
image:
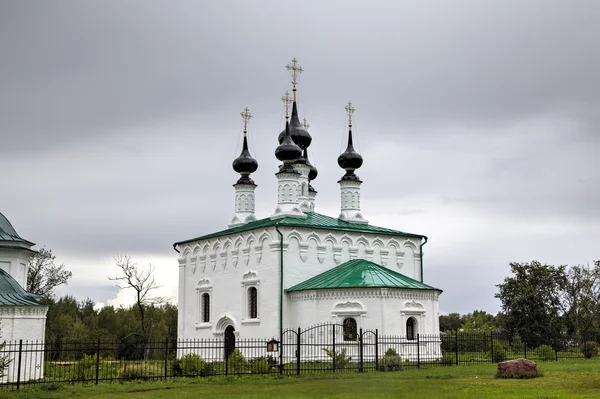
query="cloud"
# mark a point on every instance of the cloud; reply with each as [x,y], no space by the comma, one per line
[478,126]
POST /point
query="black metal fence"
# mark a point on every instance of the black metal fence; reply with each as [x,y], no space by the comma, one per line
[326,348]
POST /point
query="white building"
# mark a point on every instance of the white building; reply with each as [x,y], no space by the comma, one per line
[296,267]
[22,316]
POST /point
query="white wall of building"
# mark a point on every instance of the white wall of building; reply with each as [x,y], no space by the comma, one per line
[14,261]
[226,266]
[25,323]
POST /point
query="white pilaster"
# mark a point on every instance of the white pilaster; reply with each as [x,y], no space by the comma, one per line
[244,204]
[303,194]
[350,201]
[288,195]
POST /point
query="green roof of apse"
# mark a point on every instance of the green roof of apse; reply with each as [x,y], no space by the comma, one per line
[11,292]
[313,220]
[359,273]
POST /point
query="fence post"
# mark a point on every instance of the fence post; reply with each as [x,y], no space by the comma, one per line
[298,352]
[360,350]
[376,349]
[226,357]
[166,357]
[19,364]
[418,351]
[492,346]
[333,326]
[280,352]
[97,361]
[456,346]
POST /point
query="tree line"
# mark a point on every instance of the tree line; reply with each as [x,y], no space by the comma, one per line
[538,300]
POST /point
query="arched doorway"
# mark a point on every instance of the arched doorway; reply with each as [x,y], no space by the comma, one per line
[229,341]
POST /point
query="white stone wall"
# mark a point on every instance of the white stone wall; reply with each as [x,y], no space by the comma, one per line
[25,323]
[226,266]
[384,309]
[14,261]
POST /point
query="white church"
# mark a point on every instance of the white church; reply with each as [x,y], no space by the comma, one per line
[296,267]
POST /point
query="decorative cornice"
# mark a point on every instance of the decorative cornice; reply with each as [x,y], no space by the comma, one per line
[393,293]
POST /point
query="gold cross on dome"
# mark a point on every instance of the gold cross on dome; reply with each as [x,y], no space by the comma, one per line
[305,123]
[295,69]
[246,115]
[350,110]
[287,101]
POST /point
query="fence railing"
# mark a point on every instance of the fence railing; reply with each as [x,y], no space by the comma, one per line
[326,348]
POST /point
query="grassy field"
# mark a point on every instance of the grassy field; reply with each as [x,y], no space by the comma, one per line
[580,379]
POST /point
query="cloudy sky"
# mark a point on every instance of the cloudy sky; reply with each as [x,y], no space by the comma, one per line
[479,124]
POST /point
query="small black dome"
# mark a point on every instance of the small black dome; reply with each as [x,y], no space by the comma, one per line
[288,150]
[313,172]
[299,134]
[245,164]
[350,159]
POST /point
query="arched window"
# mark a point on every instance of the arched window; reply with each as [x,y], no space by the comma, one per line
[410,328]
[349,325]
[252,303]
[205,308]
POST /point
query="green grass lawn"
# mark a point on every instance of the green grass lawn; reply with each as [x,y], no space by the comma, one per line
[577,379]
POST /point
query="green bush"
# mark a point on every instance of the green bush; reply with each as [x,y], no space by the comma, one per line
[517,344]
[448,358]
[545,352]
[260,365]
[191,365]
[132,372]
[237,362]
[391,361]
[339,359]
[590,348]
[85,369]
[498,352]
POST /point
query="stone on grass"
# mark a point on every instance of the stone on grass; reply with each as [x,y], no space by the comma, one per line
[518,368]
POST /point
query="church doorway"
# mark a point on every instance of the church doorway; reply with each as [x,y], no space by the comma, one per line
[229,341]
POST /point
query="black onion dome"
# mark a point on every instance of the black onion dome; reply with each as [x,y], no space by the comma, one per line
[350,159]
[299,134]
[287,150]
[245,164]
[313,172]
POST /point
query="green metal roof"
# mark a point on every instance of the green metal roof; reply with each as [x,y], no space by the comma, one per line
[8,232]
[11,292]
[359,273]
[313,220]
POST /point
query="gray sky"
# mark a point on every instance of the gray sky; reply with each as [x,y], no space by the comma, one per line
[478,123]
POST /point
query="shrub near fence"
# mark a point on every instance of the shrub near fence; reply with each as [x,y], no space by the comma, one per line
[320,349]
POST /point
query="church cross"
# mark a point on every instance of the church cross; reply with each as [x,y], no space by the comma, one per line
[350,110]
[295,69]
[287,101]
[246,115]
[305,123]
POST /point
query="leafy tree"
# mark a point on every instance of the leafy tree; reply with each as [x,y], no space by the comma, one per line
[478,321]
[579,298]
[450,322]
[43,276]
[530,300]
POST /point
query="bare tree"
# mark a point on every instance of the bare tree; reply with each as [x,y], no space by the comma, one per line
[142,280]
[43,276]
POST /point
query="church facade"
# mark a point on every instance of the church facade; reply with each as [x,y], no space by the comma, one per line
[297,267]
